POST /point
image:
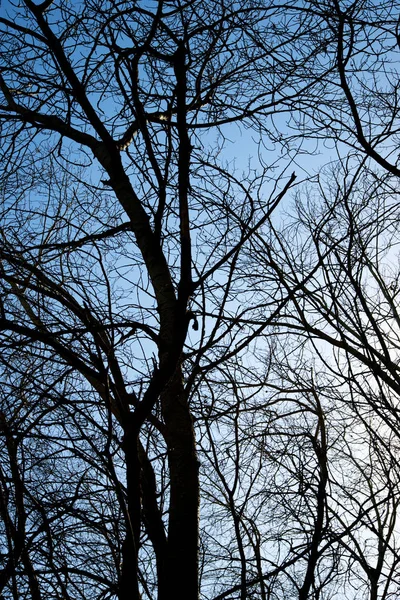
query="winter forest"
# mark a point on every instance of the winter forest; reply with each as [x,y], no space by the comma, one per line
[199,300]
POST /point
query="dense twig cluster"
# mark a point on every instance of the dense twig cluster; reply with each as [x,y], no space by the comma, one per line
[199,392]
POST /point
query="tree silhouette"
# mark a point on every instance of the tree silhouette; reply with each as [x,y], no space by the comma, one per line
[162,335]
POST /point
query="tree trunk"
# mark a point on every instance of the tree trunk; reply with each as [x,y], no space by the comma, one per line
[128,583]
[182,558]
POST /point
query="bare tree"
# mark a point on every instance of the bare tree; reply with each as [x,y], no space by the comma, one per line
[161,334]
[341,255]
[121,236]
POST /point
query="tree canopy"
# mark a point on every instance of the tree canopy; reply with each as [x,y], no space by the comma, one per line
[199,323]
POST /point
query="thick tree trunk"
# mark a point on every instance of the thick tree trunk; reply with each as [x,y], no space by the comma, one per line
[181,581]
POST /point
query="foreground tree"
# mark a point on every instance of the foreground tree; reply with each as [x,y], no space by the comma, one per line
[139,269]
[120,228]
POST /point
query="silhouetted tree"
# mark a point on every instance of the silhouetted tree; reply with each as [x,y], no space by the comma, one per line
[147,288]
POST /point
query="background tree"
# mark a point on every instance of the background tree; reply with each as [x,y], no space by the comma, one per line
[341,255]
